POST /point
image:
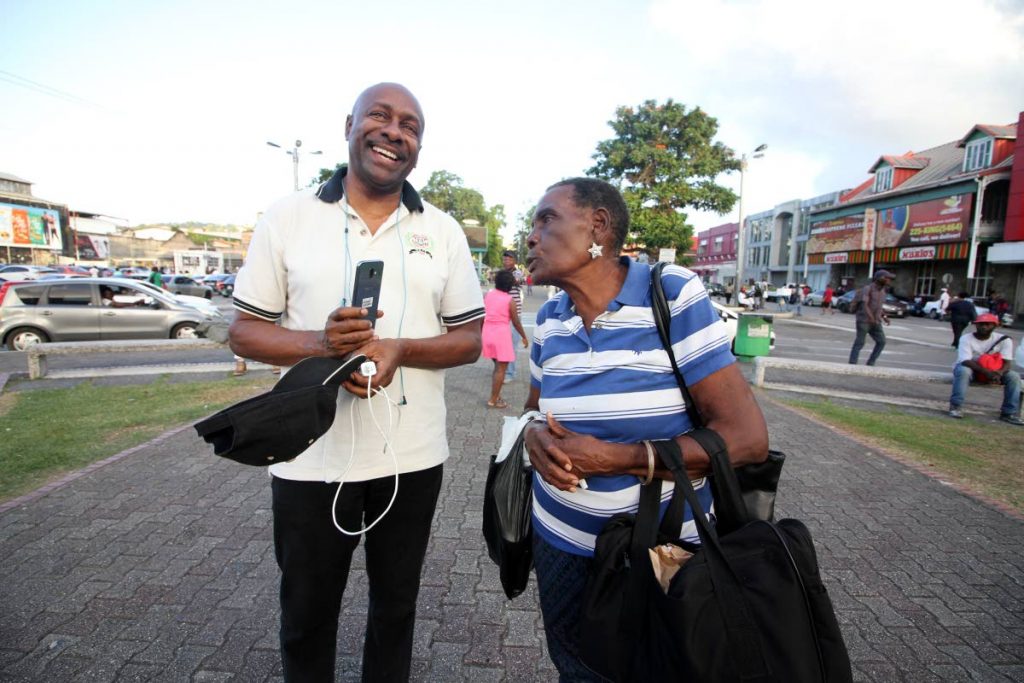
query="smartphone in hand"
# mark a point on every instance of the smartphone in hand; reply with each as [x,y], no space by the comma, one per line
[366,290]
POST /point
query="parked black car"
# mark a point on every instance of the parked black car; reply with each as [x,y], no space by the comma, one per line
[892,306]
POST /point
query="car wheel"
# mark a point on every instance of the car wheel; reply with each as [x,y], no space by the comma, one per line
[21,338]
[184,331]
[208,294]
[934,315]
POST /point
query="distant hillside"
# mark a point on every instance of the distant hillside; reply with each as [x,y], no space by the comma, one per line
[198,227]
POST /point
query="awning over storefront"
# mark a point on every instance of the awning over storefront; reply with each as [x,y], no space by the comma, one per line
[1006,252]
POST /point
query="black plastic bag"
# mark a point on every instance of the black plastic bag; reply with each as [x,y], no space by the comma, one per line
[507,524]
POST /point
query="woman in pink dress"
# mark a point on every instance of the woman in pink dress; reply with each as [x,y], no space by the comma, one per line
[500,309]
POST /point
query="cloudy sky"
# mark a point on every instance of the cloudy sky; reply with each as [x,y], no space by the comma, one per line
[160,111]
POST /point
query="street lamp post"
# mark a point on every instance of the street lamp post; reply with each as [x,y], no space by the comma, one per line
[740,239]
[294,153]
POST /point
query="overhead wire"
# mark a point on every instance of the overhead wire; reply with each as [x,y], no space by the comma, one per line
[44,89]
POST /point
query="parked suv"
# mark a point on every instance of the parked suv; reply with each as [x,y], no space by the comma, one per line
[89,309]
[184,284]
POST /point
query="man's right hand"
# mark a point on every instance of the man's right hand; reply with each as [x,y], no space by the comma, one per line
[346,331]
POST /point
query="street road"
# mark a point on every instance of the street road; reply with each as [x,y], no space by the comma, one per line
[912,343]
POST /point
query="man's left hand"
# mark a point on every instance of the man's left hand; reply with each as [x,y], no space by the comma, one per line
[386,355]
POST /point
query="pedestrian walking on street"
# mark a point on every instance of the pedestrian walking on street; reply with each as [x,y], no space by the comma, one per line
[826,301]
[362,480]
[961,313]
[972,368]
[728,293]
[500,310]
[508,264]
[871,316]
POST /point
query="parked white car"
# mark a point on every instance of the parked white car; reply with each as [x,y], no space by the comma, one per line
[931,310]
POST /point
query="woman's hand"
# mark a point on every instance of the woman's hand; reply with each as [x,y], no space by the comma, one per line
[562,457]
[547,458]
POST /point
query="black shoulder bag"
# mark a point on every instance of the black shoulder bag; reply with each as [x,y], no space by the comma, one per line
[748,606]
[758,482]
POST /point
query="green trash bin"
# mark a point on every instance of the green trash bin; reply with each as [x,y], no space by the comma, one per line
[753,336]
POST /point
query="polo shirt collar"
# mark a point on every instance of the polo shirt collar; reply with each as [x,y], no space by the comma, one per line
[635,290]
[334,189]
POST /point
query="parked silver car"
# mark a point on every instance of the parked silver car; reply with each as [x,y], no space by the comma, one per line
[89,309]
[184,284]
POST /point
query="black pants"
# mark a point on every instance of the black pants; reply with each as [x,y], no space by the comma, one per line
[314,558]
[958,329]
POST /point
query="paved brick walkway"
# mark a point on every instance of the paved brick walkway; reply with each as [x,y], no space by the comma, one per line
[159,566]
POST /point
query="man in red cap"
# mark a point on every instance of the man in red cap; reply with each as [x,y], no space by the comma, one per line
[971,365]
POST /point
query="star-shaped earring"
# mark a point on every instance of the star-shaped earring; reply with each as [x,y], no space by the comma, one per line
[595,250]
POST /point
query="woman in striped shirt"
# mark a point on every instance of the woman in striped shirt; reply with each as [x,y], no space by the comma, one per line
[603,381]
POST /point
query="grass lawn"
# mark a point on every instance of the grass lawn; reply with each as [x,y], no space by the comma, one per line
[983,456]
[47,432]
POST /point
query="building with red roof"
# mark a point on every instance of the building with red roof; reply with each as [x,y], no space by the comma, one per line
[951,215]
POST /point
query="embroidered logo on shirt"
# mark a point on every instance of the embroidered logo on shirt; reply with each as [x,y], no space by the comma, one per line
[418,243]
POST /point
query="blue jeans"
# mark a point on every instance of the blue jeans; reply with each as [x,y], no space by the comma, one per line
[1011,389]
[863,330]
[510,371]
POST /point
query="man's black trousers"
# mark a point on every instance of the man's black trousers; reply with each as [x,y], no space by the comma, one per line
[314,558]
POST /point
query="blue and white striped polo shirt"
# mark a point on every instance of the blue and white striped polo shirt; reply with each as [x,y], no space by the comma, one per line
[616,384]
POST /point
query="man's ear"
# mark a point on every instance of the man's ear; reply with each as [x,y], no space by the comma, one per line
[348,125]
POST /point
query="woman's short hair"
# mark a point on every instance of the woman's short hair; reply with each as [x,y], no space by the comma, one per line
[591,193]
[504,281]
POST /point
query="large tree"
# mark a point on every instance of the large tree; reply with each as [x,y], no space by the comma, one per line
[665,159]
[446,191]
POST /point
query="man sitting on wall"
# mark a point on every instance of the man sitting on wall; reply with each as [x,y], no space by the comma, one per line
[970,365]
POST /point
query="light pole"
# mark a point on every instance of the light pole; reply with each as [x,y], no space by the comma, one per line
[294,153]
[740,241]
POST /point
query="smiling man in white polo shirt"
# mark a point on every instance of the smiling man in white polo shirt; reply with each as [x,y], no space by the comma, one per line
[293,299]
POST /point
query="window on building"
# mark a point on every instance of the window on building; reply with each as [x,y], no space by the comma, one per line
[982,280]
[718,245]
[883,179]
[978,154]
[924,283]
[801,251]
[702,248]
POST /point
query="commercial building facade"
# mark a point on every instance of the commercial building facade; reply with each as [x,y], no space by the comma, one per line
[932,217]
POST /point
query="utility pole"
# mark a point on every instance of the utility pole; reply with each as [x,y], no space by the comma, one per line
[740,239]
[294,153]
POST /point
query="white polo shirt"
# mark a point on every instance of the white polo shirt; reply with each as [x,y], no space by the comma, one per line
[300,266]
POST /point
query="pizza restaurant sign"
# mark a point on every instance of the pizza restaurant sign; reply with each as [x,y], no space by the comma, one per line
[917,254]
[921,224]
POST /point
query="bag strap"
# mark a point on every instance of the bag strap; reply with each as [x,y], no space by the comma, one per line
[997,343]
[730,508]
[741,630]
[662,317]
[729,505]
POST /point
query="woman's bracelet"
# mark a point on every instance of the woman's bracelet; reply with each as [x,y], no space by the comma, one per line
[650,464]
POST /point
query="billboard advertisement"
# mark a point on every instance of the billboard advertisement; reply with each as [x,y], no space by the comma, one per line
[92,247]
[910,225]
[30,226]
[931,222]
[838,234]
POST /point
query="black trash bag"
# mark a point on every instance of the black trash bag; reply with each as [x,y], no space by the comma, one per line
[507,524]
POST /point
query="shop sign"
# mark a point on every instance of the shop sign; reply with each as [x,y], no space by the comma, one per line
[841,257]
[867,242]
[838,234]
[29,226]
[917,254]
[931,222]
